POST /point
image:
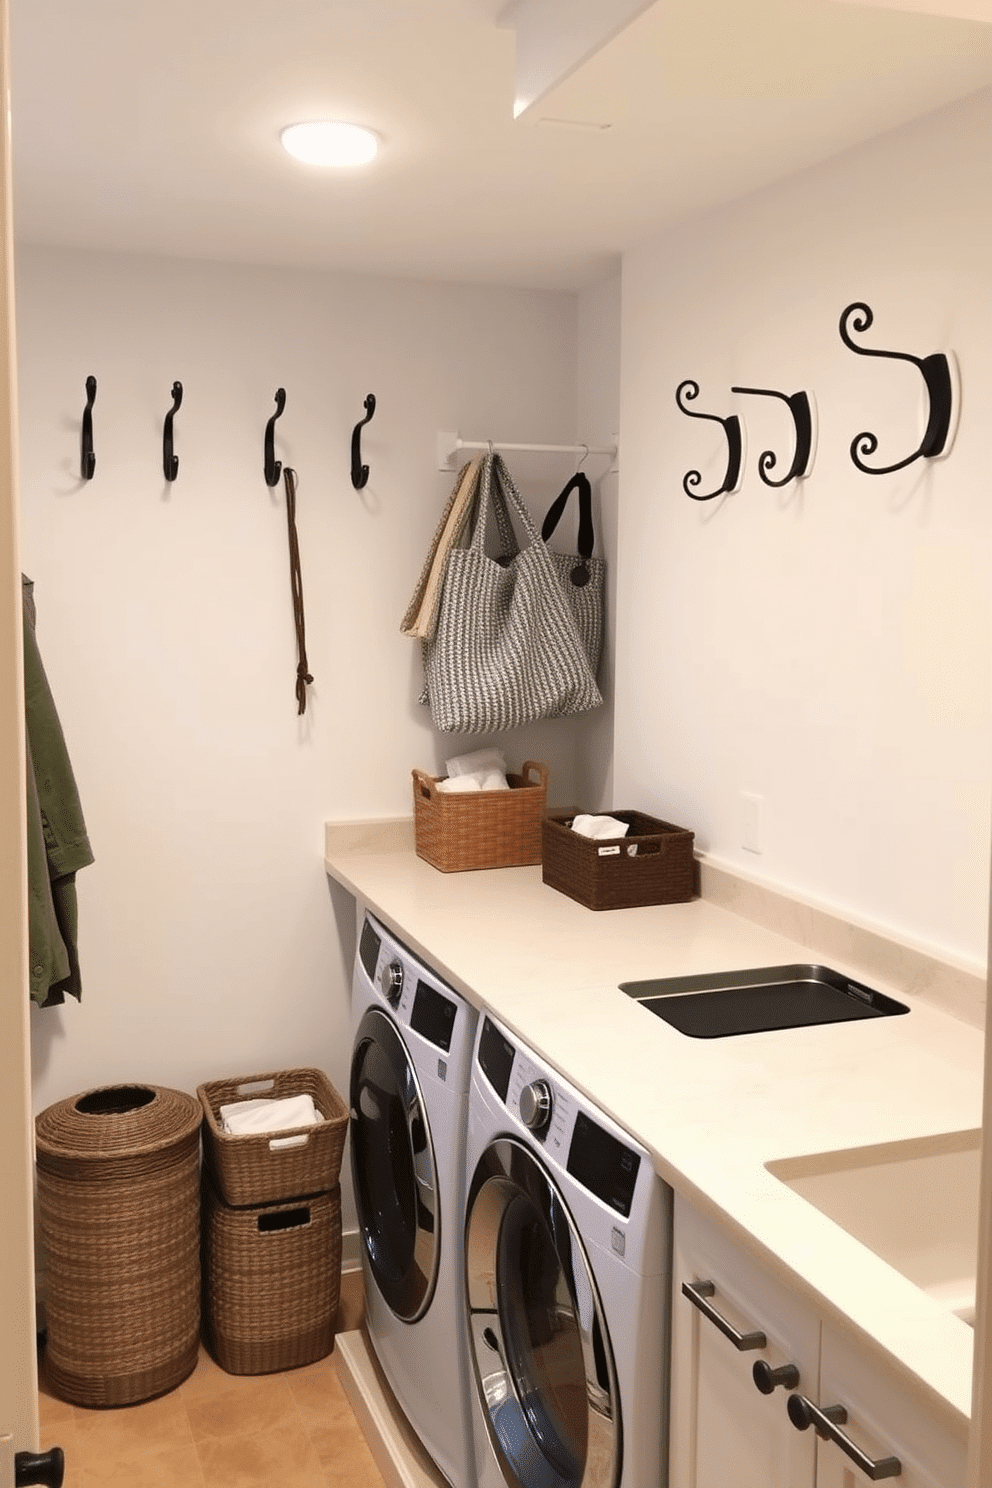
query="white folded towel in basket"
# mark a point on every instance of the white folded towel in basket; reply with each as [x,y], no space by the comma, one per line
[599,826]
[251,1117]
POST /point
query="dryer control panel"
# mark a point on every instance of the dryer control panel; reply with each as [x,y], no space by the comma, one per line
[420,1000]
[552,1112]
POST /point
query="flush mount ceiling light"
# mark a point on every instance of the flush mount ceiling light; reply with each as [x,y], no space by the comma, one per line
[325,142]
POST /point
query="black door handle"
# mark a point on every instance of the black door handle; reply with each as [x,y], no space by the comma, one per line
[45,1468]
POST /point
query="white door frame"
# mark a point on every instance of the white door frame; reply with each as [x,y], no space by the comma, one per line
[18,1359]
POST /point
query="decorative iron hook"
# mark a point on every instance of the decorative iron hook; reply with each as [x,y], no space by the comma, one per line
[170,461]
[87,459]
[936,372]
[735,445]
[360,472]
[273,467]
[802,416]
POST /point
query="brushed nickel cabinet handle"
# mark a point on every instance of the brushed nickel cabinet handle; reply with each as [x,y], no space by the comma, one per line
[697,1293]
[827,1421]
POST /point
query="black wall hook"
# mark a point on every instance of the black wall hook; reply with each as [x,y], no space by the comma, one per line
[936,372]
[802,416]
[273,467]
[87,459]
[170,461]
[360,472]
[735,445]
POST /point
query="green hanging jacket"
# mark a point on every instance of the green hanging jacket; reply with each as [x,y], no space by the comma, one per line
[58,844]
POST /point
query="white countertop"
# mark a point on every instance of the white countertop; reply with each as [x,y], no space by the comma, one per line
[712,1112]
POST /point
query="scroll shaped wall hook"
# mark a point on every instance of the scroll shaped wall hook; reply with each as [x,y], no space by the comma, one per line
[360,472]
[170,461]
[937,375]
[87,459]
[735,446]
[802,416]
[273,467]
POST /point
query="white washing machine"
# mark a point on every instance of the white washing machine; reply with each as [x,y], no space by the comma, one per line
[568,1263]
[412,1041]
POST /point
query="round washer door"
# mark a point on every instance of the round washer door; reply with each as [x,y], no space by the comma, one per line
[393,1167]
[541,1352]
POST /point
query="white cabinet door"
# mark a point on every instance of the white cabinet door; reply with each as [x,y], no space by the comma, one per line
[726,1433]
[886,1418]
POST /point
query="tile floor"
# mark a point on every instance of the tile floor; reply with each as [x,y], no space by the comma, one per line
[290,1430]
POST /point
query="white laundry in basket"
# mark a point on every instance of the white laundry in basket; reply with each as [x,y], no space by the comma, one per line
[251,1117]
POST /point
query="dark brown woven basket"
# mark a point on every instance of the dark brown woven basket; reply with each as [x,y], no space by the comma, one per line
[461,830]
[256,1168]
[608,874]
[119,1214]
[271,1281]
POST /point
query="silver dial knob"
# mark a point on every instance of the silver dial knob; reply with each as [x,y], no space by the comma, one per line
[392,982]
[535,1106]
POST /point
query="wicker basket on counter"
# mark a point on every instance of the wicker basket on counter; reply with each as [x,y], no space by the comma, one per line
[652,864]
[460,830]
[259,1168]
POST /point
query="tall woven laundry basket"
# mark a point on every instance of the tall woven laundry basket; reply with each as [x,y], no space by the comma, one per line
[119,1208]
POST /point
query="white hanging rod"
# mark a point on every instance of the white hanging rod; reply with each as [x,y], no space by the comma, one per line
[448,445]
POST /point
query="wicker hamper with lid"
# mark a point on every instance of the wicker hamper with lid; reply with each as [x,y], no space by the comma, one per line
[118,1201]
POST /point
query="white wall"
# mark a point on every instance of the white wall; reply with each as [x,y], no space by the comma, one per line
[825,647]
[598,402]
[211,943]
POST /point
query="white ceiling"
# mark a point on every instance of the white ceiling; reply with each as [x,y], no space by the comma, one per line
[153,127]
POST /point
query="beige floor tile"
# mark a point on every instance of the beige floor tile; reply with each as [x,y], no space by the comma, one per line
[205,1379]
[133,1431]
[319,1396]
[174,1467]
[242,1405]
[282,1454]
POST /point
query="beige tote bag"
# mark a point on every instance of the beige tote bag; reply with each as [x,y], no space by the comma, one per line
[420,620]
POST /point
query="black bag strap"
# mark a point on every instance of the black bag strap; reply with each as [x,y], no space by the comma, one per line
[580,482]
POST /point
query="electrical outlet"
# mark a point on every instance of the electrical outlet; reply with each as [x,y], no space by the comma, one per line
[752,811]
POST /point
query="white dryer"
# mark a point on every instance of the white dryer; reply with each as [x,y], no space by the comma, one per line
[412,1041]
[568,1243]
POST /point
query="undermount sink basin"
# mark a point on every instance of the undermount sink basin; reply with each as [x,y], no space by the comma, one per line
[760,1000]
[914,1204]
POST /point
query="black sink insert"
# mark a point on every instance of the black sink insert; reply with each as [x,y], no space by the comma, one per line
[759,1000]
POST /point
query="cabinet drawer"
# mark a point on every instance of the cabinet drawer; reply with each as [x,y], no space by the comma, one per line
[886,1417]
[724,1428]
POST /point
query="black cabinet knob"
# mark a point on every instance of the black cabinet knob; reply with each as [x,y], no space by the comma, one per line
[768,1379]
[44,1468]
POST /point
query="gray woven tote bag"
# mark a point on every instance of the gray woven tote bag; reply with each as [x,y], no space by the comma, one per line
[506,649]
[582,577]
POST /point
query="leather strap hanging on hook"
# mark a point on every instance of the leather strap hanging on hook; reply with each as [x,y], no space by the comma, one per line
[303,676]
